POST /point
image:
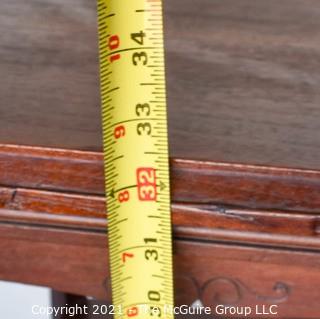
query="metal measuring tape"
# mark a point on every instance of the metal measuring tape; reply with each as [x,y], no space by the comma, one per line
[135,140]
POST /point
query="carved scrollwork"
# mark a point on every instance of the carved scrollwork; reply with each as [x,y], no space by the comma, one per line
[227,291]
[220,290]
[232,291]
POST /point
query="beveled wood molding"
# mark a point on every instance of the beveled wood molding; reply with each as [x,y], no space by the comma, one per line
[241,248]
[77,262]
[72,212]
[196,182]
[63,189]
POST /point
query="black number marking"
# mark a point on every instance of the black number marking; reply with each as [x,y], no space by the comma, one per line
[140,57]
[138,37]
[143,109]
[144,128]
[151,254]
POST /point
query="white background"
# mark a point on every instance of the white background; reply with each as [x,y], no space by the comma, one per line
[16,300]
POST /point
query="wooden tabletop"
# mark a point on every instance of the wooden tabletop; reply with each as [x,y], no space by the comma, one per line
[243,78]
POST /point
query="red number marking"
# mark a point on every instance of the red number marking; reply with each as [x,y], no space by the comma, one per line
[132,312]
[146,184]
[119,131]
[114,43]
[123,197]
[124,255]
[114,57]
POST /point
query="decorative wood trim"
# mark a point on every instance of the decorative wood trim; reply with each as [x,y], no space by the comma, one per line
[64,188]
[227,218]
[204,222]
[279,293]
[223,273]
[246,186]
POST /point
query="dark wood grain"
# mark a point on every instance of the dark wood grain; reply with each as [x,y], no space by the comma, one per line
[255,187]
[272,229]
[243,87]
[53,230]
[76,262]
[243,78]
[190,221]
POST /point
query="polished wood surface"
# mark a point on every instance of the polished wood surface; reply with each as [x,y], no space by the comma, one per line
[243,78]
[243,87]
[53,229]
[194,182]
[216,273]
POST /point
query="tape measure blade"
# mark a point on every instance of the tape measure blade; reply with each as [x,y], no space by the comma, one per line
[134,118]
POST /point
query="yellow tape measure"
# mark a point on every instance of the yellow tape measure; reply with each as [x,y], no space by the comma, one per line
[136,157]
